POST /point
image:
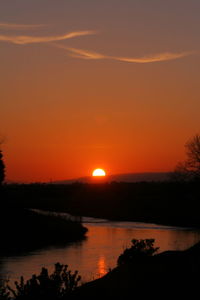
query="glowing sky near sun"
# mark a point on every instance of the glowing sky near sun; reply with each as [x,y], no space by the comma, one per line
[97,83]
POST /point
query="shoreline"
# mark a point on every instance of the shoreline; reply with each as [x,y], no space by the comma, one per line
[175,272]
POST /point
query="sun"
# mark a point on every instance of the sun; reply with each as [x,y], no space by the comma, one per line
[98,172]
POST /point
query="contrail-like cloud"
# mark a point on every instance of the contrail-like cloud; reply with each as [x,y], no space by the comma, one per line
[20,26]
[79,53]
[154,58]
[23,39]
[86,54]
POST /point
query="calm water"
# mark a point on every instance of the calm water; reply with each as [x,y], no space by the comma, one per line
[94,256]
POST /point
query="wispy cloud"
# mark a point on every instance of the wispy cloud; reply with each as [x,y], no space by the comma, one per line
[20,26]
[81,53]
[154,58]
[23,39]
[86,54]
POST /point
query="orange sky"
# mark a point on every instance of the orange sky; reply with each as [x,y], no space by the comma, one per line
[111,84]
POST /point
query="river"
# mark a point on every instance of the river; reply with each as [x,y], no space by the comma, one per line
[95,255]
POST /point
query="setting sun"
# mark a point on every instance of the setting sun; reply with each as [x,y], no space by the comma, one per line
[98,172]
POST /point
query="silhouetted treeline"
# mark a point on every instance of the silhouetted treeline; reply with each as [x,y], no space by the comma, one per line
[173,203]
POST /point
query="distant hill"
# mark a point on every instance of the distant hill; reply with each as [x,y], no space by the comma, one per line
[129,177]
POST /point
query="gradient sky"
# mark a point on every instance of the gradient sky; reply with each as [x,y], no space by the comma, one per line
[87,84]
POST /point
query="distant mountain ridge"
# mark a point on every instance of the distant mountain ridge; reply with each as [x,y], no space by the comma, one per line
[127,177]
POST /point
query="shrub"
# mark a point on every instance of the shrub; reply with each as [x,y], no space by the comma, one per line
[58,285]
[139,249]
[4,293]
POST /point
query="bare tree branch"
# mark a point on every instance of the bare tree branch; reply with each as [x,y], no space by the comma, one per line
[190,168]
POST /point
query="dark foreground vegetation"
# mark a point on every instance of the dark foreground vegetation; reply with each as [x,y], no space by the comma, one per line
[173,203]
[58,285]
[140,272]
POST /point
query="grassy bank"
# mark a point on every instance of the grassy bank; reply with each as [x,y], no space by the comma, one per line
[24,230]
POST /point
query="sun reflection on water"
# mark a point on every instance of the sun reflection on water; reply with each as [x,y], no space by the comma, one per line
[102,268]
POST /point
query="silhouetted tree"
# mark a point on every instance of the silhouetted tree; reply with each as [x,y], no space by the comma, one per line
[2,168]
[190,168]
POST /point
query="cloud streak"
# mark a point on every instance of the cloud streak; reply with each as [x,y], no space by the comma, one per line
[154,58]
[86,54]
[81,53]
[20,26]
[26,39]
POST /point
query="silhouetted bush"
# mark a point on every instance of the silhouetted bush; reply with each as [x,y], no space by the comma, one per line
[139,249]
[58,285]
[4,292]
[2,168]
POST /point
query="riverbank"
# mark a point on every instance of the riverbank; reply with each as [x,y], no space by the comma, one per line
[96,254]
[26,230]
[171,274]
[168,275]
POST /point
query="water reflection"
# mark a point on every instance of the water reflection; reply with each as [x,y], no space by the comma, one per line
[99,252]
[102,269]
